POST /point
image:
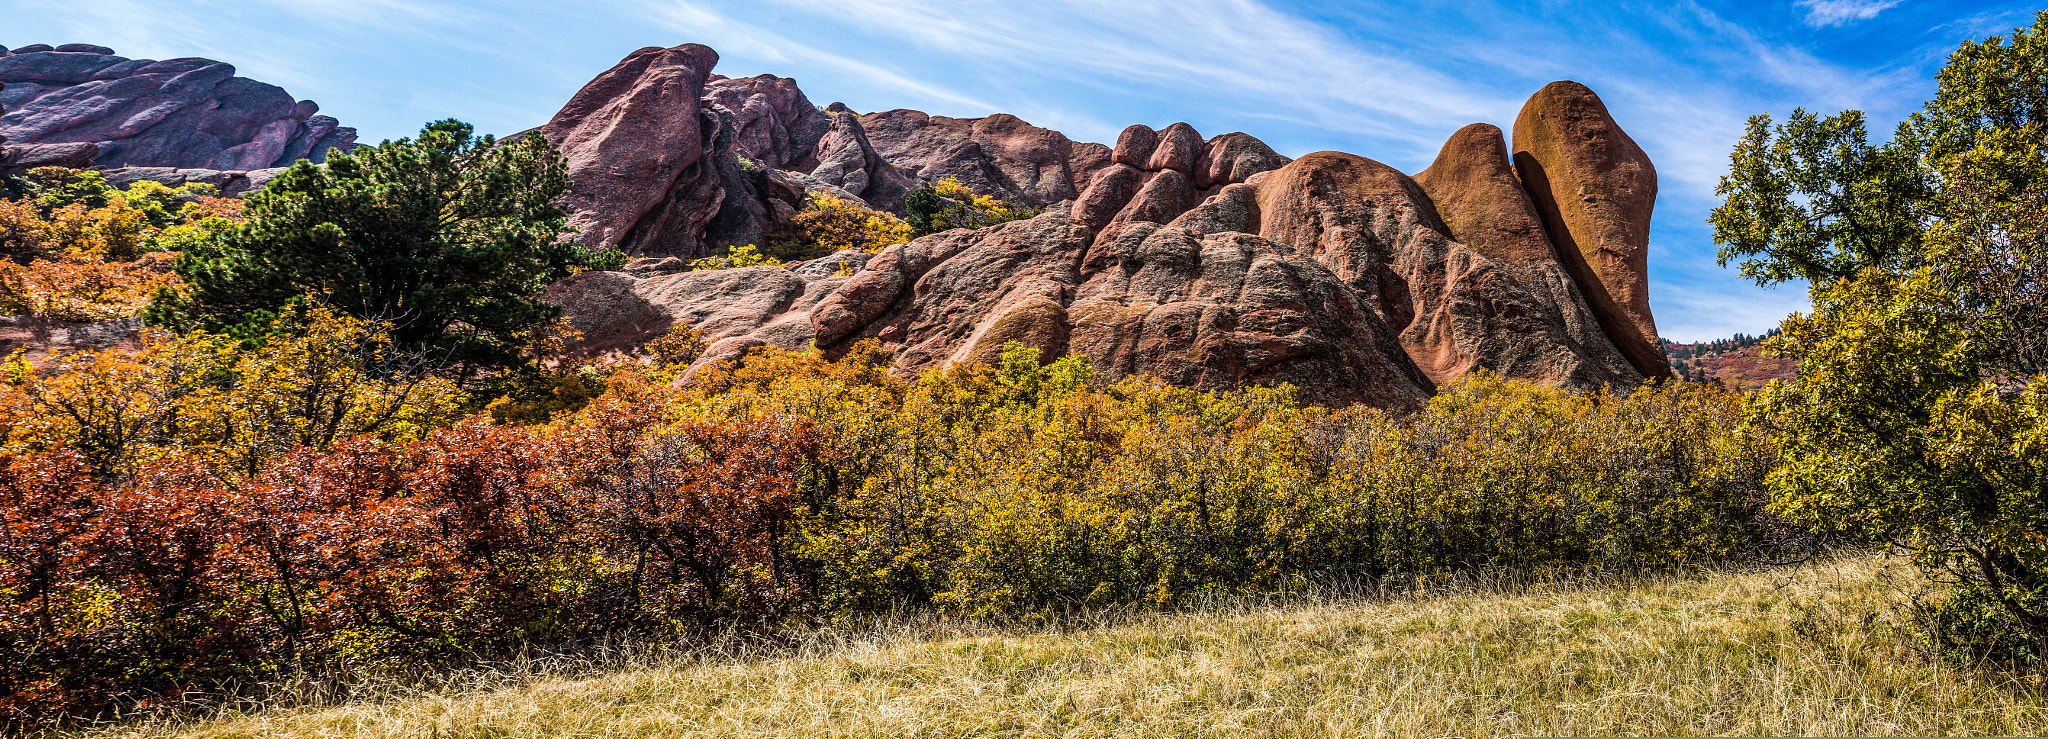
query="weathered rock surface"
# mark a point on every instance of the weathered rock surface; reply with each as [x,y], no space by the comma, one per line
[20,158]
[1174,169]
[1234,157]
[1179,148]
[1134,146]
[847,160]
[999,155]
[636,146]
[231,184]
[1473,185]
[777,126]
[1595,189]
[617,310]
[44,338]
[186,113]
[1209,263]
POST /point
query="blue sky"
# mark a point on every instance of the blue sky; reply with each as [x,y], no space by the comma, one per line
[1387,80]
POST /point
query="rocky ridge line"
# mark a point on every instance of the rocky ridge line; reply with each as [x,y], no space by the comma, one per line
[188,113]
[1212,263]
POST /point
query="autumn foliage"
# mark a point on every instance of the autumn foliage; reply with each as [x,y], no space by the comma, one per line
[82,250]
[376,556]
[201,518]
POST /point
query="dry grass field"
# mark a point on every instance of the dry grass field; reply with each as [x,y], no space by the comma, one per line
[1814,650]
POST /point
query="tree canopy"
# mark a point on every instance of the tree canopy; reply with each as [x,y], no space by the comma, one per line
[447,238]
[1918,414]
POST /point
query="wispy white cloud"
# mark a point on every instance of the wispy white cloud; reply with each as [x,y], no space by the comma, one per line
[1825,13]
[743,38]
[1260,59]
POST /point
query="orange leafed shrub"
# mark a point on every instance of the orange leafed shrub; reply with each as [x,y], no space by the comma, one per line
[385,555]
[82,287]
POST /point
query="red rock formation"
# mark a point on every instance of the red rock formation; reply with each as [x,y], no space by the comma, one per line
[847,160]
[1475,191]
[20,158]
[1180,149]
[190,113]
[1212,264]
[1454,309]
[1134,146]
[999,155]
[1107,195]
[776,125]
[1234,157]
[636,151]
[1164,197]
[1595,189]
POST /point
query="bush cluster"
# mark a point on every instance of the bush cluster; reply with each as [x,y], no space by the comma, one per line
[830,225]
[78,249]
[1021,488]
[177,523]
[949,204]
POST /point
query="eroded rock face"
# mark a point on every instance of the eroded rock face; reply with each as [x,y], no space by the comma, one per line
[41,339]
[848,161]
[231,183]
[1595,189]
[1209,263]
[1476,193]
[186,113]
[999,155]
[776,125]
[636,145]
[20,158]
[1454,309]
[1158,175]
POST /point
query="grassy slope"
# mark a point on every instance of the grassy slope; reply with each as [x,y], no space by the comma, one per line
[1784,652]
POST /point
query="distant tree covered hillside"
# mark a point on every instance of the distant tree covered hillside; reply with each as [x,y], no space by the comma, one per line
[1737,362]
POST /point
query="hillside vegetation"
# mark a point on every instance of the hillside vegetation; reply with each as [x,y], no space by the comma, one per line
[360,450]
[1817,650]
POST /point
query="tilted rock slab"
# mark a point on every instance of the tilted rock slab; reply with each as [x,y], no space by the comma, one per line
[184,113]
[636,148]
[1595,189]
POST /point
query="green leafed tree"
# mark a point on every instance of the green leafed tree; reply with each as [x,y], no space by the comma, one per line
[448,238]
[1920,410]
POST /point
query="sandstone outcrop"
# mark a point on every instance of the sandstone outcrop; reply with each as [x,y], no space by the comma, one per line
[1210,263]
[231,184]
[848,161]
[42,339]
[1158,175]
[184,113]
[999,155]
[636,146]
[776,125]
[20,158]
[1595,189]
[1476,193]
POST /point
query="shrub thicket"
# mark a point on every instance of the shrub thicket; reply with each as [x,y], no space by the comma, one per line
[197,517]
[831,224]
[78,249]
[949,204]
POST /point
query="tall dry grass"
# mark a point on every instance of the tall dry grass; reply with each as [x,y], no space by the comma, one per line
[1815,650]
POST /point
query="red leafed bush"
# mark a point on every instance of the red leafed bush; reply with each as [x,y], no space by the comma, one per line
[380,556]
